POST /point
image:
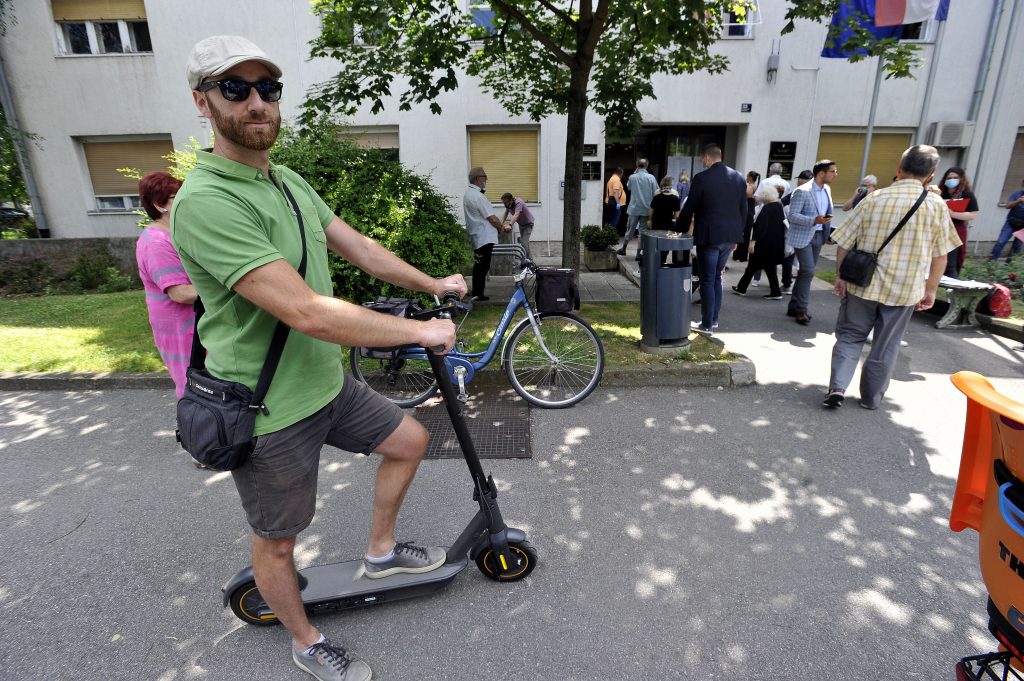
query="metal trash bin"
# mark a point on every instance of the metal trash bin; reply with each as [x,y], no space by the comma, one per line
[665,291]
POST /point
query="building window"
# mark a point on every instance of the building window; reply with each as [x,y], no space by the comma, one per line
[114,192]
[382,137]
[739,23]
[921,32]
[482,15]
[510,158]
[101,26]
[76,38]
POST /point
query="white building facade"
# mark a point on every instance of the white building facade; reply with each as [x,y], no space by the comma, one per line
[102,83]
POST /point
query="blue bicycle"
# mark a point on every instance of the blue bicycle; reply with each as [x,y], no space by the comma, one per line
[552,359]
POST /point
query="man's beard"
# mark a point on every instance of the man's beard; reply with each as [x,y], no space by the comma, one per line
[235,129]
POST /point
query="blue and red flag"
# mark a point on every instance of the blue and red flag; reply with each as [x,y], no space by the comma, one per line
[882,18]
[899,12]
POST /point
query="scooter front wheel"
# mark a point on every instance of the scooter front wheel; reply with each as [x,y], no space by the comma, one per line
[525,560]
[248,605]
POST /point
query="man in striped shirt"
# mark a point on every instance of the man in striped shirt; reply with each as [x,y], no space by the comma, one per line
[906,276]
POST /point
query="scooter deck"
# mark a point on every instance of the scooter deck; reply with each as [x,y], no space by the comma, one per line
[338,586]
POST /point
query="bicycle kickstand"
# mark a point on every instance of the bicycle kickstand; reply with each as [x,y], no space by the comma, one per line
[460,374]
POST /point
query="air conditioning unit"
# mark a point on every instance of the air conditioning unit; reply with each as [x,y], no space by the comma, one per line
[950,133]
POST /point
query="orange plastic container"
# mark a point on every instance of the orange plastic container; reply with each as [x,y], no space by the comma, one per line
[988,498]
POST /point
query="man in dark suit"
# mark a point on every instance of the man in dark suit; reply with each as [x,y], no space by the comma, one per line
[717,205]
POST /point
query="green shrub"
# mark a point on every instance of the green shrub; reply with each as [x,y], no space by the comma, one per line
[23,228]
[90,269]
[25,276]
[116,281]
[93,270]
[379,197]
[599,238]
[1009,273]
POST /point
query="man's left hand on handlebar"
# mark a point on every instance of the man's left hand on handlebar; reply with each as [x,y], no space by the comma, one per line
[437,333]
[454,283]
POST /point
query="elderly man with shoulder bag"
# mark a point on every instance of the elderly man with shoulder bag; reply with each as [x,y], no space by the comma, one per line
[905,231]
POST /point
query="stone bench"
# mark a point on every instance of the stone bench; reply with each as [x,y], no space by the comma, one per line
[964,297]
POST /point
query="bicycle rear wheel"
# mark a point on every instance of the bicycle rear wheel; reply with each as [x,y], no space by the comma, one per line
[406,382]
[576,369]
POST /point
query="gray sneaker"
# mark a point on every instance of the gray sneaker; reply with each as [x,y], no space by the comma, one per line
[331,663]
[408,558]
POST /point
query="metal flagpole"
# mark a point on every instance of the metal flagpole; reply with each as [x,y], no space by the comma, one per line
[871,121]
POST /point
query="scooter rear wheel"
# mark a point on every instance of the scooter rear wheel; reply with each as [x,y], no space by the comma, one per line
[526,560]
[248,605]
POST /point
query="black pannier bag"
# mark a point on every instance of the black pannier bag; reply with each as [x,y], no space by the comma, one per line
[399,307]
[556,290]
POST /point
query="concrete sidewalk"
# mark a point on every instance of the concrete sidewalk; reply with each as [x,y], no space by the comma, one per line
[595,287]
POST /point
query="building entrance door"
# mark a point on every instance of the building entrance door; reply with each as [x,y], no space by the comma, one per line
[669,150]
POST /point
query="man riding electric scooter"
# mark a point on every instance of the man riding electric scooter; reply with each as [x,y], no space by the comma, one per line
[244,229]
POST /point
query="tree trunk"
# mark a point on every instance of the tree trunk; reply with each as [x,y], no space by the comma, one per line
[575,129]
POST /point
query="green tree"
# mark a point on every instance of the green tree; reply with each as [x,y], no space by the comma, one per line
[12,184]
[563,58]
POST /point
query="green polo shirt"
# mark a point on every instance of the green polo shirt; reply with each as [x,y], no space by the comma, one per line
[227,220]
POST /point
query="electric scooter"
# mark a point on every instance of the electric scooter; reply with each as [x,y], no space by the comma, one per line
[501,553]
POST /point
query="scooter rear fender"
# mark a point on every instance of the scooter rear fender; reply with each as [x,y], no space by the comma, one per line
[245,575]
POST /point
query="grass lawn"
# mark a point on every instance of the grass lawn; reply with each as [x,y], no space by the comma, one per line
[92,332]
[110,332]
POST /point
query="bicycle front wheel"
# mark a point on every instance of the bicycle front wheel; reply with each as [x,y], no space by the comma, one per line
[406,382]
[568,378]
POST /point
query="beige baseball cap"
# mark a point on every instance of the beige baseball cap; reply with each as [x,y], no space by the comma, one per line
[214,55]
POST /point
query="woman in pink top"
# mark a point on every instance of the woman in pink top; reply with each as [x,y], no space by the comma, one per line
[169,292]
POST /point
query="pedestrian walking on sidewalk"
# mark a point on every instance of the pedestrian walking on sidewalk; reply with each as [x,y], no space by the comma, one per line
[810,220]
[717,206]
[767,244]
[642,188]
[897,288]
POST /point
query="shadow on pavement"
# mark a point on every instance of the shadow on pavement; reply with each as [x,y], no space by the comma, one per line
[682,534]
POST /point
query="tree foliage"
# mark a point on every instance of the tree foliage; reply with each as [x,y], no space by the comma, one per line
[898,59]
[12,184]
[379,197]
[525,58]
[538,58]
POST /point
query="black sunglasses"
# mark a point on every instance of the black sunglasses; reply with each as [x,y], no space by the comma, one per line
[237,90]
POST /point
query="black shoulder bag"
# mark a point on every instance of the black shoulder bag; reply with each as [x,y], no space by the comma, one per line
[858,267]
[216,417]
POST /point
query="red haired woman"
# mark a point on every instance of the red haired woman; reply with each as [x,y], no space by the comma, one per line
[963,207]
[169,292]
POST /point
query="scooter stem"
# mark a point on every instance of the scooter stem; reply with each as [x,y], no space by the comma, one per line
[451,403]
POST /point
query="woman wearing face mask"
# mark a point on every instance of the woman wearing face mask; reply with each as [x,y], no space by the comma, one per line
[955,188]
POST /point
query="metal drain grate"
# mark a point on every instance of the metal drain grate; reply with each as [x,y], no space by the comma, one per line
[497,418]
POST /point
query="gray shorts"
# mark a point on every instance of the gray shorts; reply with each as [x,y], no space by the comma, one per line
[278,483]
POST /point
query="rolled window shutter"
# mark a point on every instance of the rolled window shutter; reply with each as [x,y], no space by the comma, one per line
[847,150]
[510,159]
[104,158]
[98,10]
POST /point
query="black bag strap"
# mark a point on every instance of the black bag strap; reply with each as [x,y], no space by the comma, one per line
[198,358]
[913,209]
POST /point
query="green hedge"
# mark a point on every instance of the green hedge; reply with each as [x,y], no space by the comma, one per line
[379,197]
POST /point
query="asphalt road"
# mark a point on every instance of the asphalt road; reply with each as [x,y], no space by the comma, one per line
[683,534]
